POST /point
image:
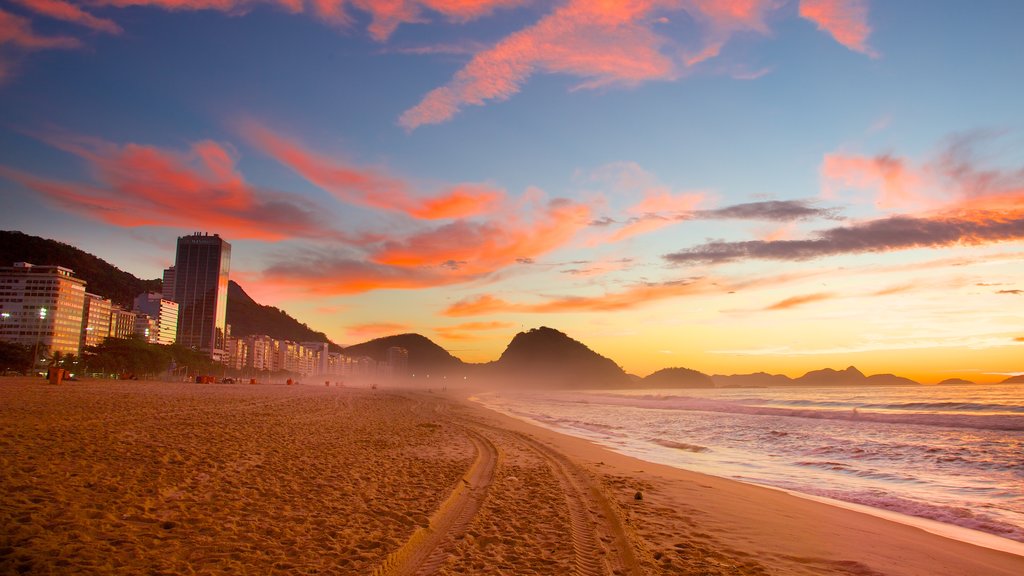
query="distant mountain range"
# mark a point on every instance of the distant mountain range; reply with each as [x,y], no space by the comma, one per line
[541,357]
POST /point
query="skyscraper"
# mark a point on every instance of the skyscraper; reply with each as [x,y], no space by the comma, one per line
[201,268]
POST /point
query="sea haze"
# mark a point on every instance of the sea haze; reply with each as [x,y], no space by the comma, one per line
[946,453]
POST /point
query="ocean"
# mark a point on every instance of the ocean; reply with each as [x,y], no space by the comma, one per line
[952,454]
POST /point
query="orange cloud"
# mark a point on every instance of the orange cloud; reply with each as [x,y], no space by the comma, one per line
[367,187]
[466,330]
[330,275]
[1019,339]
[800,301]
[845,20]
[481,247]
[17,31]
[140,185]
[376,330]
[628,299]
[68,12]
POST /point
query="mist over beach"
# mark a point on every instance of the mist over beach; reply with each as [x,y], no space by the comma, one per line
[512,287]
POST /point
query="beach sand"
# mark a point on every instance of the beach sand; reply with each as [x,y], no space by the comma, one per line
[174,478]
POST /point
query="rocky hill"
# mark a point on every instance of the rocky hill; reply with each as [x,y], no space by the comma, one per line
[545,357]
[425,357]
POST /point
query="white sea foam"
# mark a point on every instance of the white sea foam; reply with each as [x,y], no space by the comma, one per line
[950,454]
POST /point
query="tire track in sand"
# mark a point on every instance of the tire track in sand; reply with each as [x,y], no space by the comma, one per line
[428,547]
[600,543]
[599,540]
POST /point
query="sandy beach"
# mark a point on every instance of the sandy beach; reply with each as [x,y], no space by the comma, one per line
[171,478]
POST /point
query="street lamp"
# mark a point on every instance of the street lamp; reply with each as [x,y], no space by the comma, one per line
[3,325]
[39,336]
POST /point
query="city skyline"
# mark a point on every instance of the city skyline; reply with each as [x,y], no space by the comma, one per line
[725,186]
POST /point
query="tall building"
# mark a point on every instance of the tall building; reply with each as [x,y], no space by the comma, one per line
[42,305]
[164,314]
[96,325]
[201,268]
[122,322]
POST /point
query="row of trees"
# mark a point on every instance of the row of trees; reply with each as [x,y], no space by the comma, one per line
[115,356]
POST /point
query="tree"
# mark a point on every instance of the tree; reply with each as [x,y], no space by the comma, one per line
[14,357]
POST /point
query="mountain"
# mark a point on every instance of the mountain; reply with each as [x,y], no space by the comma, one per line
[101,277]
[954,382]
[677,378]
[425,357]
[1014,380]
[545,357]
[247,317]
[104,279]
[830,377]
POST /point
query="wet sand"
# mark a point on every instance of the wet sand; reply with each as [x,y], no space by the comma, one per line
[162,478]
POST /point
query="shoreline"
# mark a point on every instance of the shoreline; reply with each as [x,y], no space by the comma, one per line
[886,542]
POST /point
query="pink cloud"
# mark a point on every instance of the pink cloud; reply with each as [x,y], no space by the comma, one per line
[845,20]
[485,246]
[604,43]
[68,12]
[367,187]
[138,185]
[17,31]
[898,184]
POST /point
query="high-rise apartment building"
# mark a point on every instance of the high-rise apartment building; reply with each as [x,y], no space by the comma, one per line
[42,306]
[201,268]
[122,322]
[96,324]
[164,314]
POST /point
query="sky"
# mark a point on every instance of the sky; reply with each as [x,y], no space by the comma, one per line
[729,186]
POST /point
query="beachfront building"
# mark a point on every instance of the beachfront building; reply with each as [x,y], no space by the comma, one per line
[201,266]
[260,351]
[122,322]
[164,316]
[237,353]
[320,352]
[42,306]
[96,320]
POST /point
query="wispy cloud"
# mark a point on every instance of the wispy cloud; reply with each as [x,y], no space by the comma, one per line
[603,43]
[376,330]
[957,203]
[770,210]
[139,185]
[633,297]
[845,20]
[888,234]
[16,31]
[796,301]
[68,12]
[1014,292]
[470,330]
[369,187]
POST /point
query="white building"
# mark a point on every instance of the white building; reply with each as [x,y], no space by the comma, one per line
[164,314]
[42,306]
[96,324]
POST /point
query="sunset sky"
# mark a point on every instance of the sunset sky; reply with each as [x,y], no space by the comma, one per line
[733,186]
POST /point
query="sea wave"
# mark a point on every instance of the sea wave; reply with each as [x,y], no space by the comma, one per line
[1005,422]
